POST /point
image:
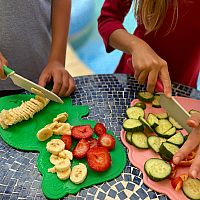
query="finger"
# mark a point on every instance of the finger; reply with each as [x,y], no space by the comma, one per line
[151,83]
[165,78]
[57,79]
[194,120]
[3,60]
[195,167]
[44,79]
[2,75]
[142,77]
[72,87]
[64,87]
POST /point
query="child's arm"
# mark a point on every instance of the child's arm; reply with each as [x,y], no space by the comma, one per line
[63,82]
[3,61]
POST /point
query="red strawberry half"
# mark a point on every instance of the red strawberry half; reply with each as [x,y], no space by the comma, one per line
[100,129]
[98,159]
[82,132]
[81,148]
[92,142]
[67,140]
[107,141]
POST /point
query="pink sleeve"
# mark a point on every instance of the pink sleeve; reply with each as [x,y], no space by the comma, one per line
[111,18]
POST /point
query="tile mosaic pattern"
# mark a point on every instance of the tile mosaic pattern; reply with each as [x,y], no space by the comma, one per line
[107,96]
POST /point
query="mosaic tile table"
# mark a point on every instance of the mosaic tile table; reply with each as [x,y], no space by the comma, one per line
[107,97]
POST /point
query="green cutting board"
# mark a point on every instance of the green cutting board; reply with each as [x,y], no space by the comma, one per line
[22,136]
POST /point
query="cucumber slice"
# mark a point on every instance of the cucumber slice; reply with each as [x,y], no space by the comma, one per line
[192,111]
[175,123]
[177,139]
[139,140]
[133,125]
[157,169]
[145,123]
[140,104]
[145,96]
[164,125]
[129,137]
[152,120]
[162,115]
[169,133]
[134,112]
[167,150]
[191,188]
[156,101]
[155,142]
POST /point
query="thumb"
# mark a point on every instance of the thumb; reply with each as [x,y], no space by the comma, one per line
[194,120]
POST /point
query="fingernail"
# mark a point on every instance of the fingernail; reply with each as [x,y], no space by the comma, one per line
[169,95]
[194,173]
[176,160]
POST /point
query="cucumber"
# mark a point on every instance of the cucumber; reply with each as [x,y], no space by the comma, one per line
[169,133]
[156,101]
[192,111]
[152,120]
[134,112]
[140,104]
[145,96]
[157,169]
[155,142]
[146,124]
[175,123]
[177,139]
[162,115]
[191,188]
[167,150]
[133,125]
[139,140]
[129,137]
[164,125]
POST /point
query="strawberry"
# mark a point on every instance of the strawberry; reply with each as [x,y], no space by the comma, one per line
[107,141]
[82,132]
[99,129]
[67,140]
[81,148]
[92,142]
[98,159]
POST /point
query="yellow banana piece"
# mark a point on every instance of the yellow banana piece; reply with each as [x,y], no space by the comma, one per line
[55,146]
[79,173]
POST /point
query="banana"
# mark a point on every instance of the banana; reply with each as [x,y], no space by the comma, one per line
[66,154]
[63,165]
[56,159]
[55,146]
[79,173]
[51,125]
[64,175]
[62,117]
[62,129]
[52,170]
[44,133]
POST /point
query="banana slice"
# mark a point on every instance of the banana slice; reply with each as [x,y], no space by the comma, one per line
[63,165]
[52,170]
[62,129]
[55,160]
[51,125]
[78,174]
[55,146]
[62,117]
[44,134]
[66,154]
[64,175]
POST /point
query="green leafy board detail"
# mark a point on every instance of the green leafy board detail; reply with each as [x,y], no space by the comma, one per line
[22,136]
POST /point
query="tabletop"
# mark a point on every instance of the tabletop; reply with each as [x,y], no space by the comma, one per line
[108,96]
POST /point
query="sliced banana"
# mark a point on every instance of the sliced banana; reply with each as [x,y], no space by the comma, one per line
[62,117]
[55,146]
[55,160]
[62,129]
[44,134]
[51,125]
[78,174]
[64,175]
[66,154]
[63,165]
[52,170]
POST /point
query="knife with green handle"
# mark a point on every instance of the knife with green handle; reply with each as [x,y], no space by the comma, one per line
[29,85]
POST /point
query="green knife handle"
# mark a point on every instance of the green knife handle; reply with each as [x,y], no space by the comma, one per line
[7,70]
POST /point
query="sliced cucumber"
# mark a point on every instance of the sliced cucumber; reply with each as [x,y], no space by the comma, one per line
[157,169]
[129,137]
[146,124]
[191,188]
[164,125]
[140,104]
[162,115]
[175,123]
[145,96]
[167,150]
[134,112]
[193,111]
[177,139]
[156,101]
[152,120]
[133,125]
[155,142]
[169,133]
[139,140]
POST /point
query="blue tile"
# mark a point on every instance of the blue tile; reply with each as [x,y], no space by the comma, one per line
[141,193]
[130,186]
[137,180]
[122,195]
[101,195]
[134,197]
[112,193]
[119,187]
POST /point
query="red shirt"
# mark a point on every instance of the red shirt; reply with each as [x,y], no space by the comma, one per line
[180,48]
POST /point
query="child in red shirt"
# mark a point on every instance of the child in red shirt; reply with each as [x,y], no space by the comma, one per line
[165,45]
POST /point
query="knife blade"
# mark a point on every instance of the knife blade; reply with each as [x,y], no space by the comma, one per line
[175,110]
[29,85]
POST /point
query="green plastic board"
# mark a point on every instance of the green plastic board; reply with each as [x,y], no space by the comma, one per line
[22,136]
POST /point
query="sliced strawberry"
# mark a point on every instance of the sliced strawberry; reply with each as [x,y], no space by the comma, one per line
[67,140]
[92,142]
[100,129]
[82,132]
[81,148]
[98,159]
[107,141]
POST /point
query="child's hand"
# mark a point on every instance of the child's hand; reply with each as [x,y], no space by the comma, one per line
[149,67]
[3,61]
[191,143]
[64,84]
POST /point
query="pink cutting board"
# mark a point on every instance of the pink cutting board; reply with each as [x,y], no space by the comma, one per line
[138,157]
